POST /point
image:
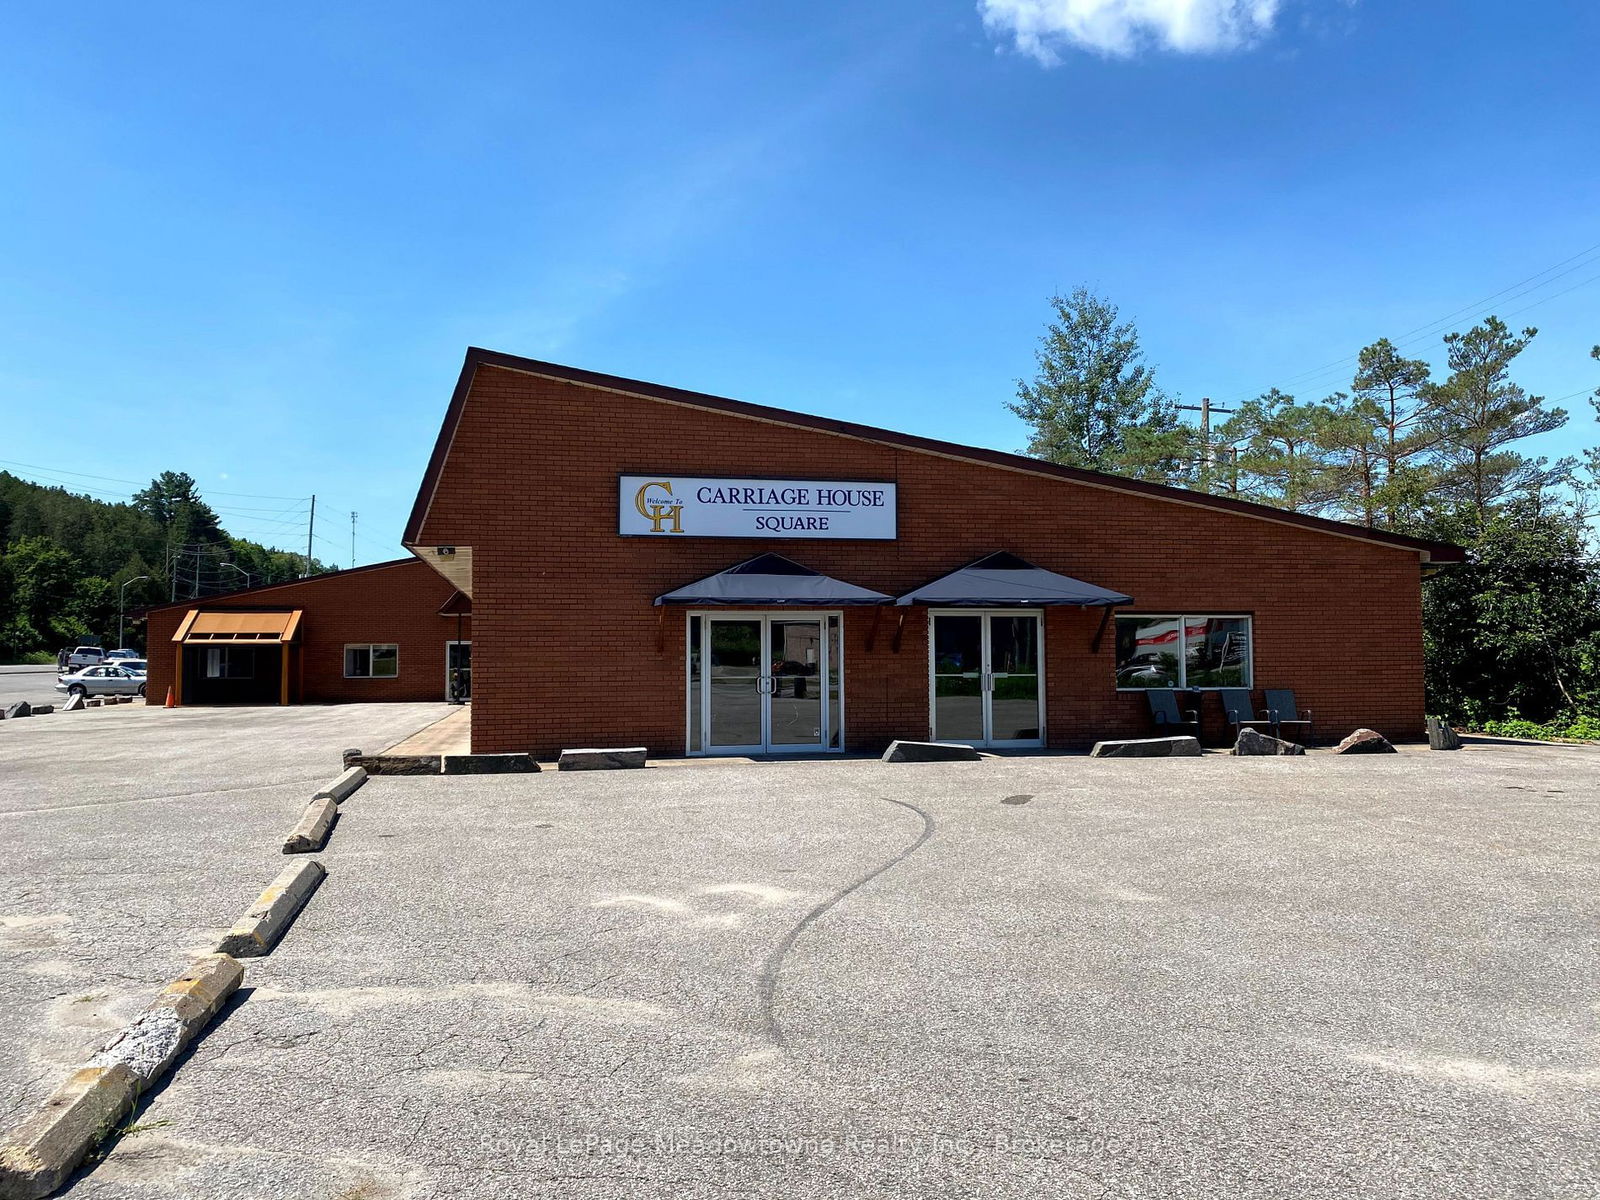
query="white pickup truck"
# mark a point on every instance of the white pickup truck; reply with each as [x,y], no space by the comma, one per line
[85,656]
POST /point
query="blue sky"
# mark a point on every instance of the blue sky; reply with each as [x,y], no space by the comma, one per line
[252,242]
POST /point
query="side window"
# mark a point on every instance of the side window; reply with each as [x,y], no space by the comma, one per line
[376,661]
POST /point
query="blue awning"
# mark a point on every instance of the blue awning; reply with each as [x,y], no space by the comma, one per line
[1002,580]
[772,579]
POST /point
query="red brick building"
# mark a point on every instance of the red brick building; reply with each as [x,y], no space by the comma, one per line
[380,632]
[588,518]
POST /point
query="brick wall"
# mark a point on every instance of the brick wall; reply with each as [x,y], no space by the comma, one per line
[389,602]
[566,645]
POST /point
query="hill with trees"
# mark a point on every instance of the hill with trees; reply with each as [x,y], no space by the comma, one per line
[65,557]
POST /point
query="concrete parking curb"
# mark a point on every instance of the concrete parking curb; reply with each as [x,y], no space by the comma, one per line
[312,831]
[489,764]
[40,1153]
[185,1006]
[258,931]
[400,764]
[608,758]
[340,789]
[903,751]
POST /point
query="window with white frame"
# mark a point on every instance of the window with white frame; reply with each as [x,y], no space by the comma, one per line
[377,660]
[1186,650]
[230,662]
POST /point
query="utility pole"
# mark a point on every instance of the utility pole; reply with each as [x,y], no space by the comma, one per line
[311,532]
[352,539]
[1205,410]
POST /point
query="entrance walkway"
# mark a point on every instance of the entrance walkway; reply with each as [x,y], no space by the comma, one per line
[452,735]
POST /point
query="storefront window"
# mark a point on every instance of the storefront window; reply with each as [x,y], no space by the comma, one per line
[1217,652]
[1148,652]
[1188,651]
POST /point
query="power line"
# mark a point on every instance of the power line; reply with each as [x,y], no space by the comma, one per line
[1421,332]
[146,482]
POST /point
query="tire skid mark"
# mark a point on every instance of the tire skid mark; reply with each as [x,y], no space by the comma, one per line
[767,985]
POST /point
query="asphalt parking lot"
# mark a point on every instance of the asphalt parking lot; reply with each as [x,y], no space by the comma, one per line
[133,837]
[1029,976]
[36,685]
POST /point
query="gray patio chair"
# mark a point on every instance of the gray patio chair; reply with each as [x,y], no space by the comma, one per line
[1281,711]
[1169,718]
[1240,712]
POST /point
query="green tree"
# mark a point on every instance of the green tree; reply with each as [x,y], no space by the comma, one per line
[1400,394]
[173,501]
[43,580]
[1280,459]
[1477,416]
[1515,630]
[1094,403]
[1349,432]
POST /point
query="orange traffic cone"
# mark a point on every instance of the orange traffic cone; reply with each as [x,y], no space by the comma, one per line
[171,703]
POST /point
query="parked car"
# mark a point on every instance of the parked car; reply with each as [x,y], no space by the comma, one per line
[134,666]
[102,681]
[85,656]
[122,654]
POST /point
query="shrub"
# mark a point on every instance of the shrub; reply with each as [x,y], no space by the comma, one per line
[1584,727]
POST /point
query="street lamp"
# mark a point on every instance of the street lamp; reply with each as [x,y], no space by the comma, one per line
[122,595]
[241,571]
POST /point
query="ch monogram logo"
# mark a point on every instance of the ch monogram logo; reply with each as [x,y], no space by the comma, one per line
[658,511]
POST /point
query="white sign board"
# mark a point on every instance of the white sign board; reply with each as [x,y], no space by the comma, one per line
[686,506]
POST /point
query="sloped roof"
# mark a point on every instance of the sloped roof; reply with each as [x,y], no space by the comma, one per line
[477,357]
[1003,579]
[772,579]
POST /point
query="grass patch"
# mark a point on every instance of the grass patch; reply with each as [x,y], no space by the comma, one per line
[143,1127]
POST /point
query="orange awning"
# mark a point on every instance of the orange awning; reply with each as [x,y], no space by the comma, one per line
[224,628]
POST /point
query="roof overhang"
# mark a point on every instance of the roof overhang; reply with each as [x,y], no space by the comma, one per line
[232,628]
[771,580]
[1004,580]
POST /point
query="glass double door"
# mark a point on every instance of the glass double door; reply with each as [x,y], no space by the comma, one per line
[987,686]
[764,684]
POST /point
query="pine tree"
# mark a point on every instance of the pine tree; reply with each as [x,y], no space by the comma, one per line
[1094,404]
[1479,413]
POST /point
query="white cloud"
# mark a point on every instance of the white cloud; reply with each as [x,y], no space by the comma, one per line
[1120,28]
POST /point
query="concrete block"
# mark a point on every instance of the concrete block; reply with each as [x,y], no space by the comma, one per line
[73,704]
[900,751]
[95,702]
[20,709]
[1441,736]
[489,764]
[1252,742]
[155,1038]
[312,831]
[1167,747]
[43,710]
[601,759]
[340,789]
[39,1154]
[399,764]
[1365,741]
[258,931]
[350,758]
